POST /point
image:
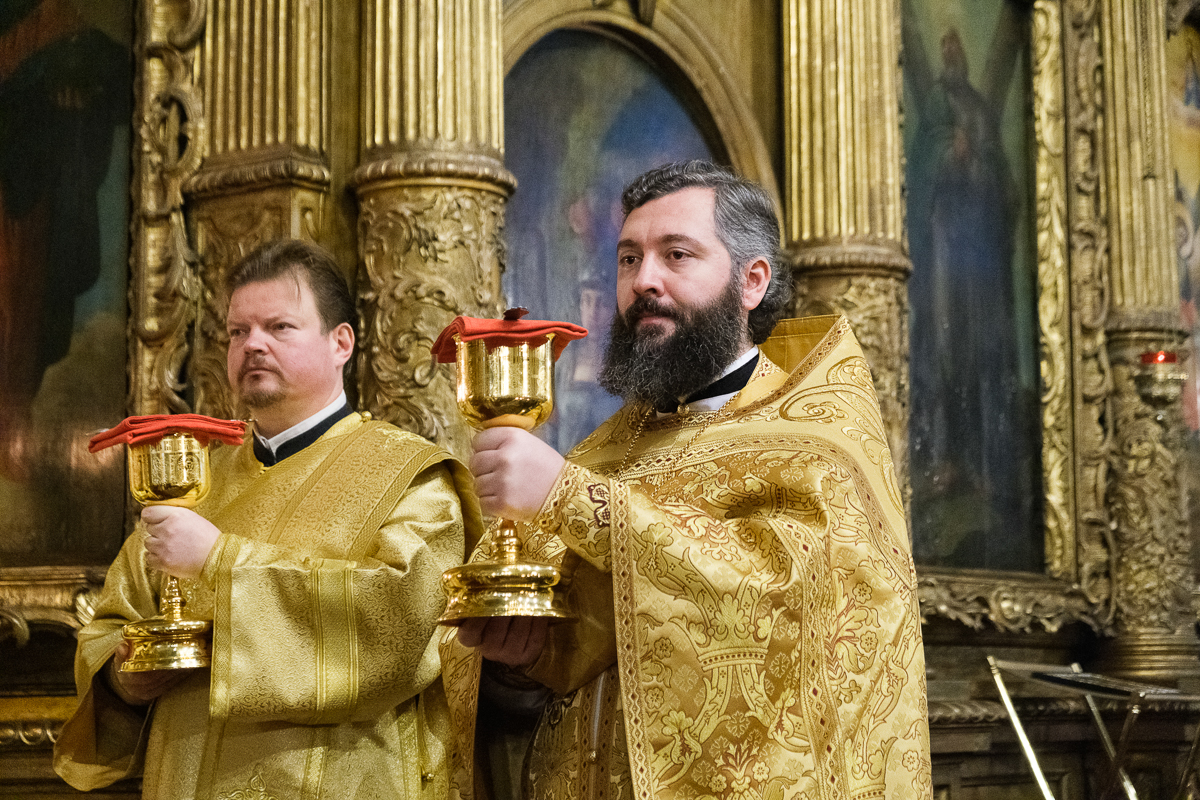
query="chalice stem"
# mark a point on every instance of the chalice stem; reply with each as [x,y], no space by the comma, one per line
[171,604]
[508,546]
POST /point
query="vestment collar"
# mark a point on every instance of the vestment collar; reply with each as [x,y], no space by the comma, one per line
[271,451]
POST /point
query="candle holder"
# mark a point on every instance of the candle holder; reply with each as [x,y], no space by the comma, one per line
[505,376]
[1159,378]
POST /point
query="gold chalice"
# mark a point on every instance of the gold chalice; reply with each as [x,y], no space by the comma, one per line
[172,471]
[504,385]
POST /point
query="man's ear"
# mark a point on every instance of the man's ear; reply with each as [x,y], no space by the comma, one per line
[343,342]
[756,277]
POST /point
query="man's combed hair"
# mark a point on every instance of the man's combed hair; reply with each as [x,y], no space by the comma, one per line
[746,224]
[293,256]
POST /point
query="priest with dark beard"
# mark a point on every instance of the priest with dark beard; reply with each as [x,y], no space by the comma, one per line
[733,539]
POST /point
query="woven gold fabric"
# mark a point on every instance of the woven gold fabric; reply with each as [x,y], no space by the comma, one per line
[748,620]
[324,591]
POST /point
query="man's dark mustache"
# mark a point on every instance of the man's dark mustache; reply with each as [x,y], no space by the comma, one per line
[648,305]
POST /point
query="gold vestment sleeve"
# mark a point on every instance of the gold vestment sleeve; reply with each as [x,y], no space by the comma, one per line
[105,739]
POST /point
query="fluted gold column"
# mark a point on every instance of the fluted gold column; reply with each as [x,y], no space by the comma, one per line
[432,189]
[265,79]
[1151,566]
[843,216]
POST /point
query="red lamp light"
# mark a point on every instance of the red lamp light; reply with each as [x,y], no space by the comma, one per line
[1161,357]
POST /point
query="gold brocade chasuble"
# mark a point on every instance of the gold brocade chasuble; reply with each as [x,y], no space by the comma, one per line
[324,591]
[748,624]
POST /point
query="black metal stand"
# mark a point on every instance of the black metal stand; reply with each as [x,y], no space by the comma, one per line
[1090,685]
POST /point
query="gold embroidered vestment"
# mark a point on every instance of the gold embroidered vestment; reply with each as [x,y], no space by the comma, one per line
[324,591]
[748,624]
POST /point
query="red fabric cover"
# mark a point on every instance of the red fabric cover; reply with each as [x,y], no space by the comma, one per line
[505,333]
[149,429]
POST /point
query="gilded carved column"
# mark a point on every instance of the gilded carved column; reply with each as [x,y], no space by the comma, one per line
[168,134]
[265,78]
[432,190]
[1150,564]
[843,217]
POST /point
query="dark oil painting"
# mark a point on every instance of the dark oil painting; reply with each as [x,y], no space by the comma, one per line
[975,408]
[66,81]
[584,115]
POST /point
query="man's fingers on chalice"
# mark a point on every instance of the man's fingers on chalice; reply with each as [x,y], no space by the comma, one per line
[495,633]
[470,631]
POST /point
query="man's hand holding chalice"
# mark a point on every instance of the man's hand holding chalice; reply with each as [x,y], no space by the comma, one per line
[169,474]
[505,388]
[514,473]
[178,540]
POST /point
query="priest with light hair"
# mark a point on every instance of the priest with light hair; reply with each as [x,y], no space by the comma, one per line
[317,555]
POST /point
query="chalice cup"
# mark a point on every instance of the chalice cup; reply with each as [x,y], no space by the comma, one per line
[504,385]
[173,471]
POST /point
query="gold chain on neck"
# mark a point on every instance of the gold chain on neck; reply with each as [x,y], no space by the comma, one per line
[637,434]
[720,414]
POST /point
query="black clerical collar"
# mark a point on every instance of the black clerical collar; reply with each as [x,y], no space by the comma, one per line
[727,384]
[299,441]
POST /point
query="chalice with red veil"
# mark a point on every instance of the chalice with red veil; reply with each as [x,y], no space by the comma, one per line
[505,376]
[167,459]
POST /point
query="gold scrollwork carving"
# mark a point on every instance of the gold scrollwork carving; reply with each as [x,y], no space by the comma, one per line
[1090,295]
[259,172]
[965,712]
[29,733]
[428,253]
[53,597]
[880,257]
[456,166]
[166,295]
[1152,566]
[1017,605]
[187,33]
[1053,303]
[13,625]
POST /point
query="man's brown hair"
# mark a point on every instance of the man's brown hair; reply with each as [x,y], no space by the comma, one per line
[746,225]
[297,257]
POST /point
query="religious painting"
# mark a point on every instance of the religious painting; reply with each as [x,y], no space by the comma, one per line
[66,73]
[1183,115]
[975,406]
[584,115]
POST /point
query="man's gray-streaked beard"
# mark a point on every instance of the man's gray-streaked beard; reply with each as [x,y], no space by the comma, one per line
[659,371]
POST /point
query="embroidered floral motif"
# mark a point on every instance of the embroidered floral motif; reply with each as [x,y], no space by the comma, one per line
[256,790]
[598,494]
[762,590]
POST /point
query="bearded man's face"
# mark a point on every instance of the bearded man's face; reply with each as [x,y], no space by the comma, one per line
[681,310]
[656,367]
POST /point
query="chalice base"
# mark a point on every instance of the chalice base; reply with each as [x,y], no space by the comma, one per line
[502,589]
[164,643]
